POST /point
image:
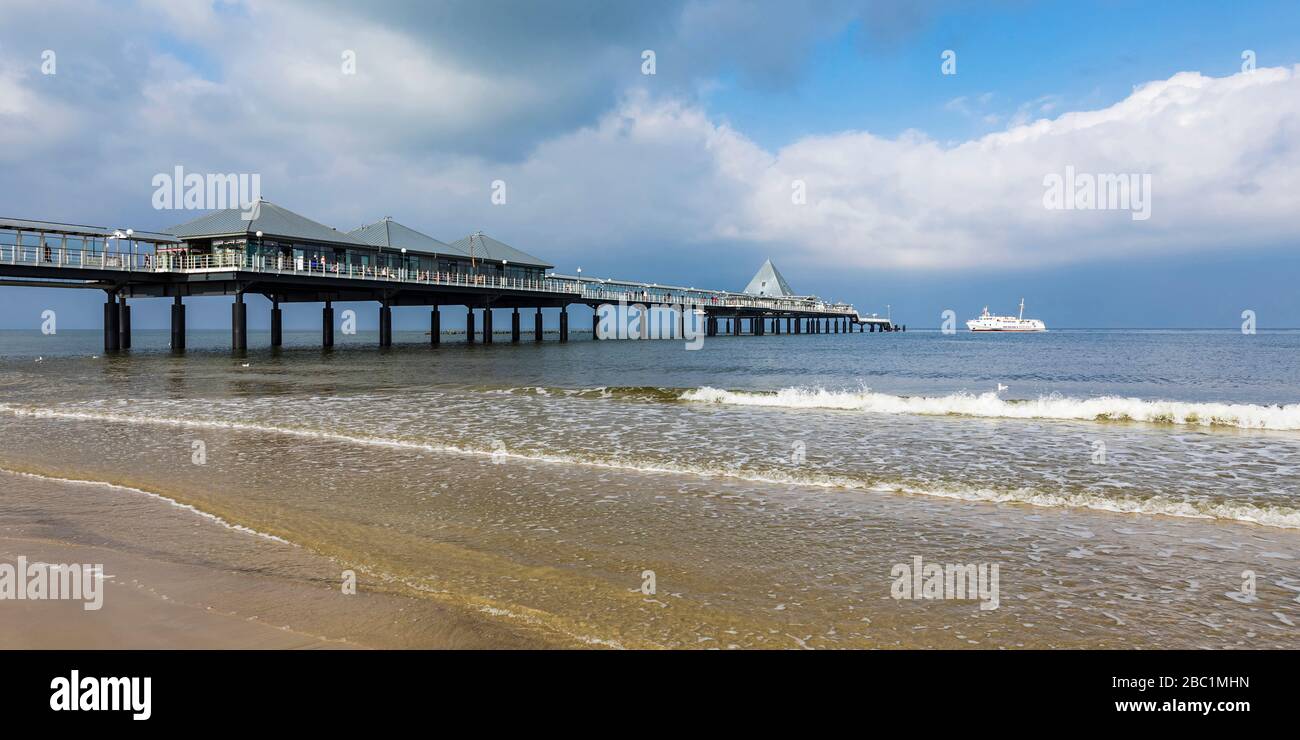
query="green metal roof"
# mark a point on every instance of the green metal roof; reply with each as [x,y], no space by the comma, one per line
[485,247]
[268,218]
[388,233]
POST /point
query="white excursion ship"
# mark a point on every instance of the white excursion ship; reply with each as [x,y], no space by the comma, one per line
[987,322]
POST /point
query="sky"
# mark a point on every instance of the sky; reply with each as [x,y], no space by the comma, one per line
[893,154]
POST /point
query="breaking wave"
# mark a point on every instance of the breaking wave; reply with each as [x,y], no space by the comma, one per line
[1281,516]
[989,405]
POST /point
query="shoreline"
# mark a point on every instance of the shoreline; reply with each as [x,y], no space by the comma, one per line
[161,592]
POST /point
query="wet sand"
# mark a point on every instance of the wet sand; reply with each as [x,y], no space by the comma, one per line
[181,580]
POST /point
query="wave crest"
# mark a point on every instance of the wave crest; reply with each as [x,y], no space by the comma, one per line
[989,405]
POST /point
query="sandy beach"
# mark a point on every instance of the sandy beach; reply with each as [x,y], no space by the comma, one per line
[244,591]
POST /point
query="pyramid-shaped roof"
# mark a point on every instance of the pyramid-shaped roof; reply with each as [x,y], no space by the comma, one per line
[389,233]
[268,218]
[485,247]
[768,281]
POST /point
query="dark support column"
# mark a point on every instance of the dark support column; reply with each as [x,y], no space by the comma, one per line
[112,333]
[178,325]
[469,326]
[595,324]
[277,326]
[124,322]
[385,324]
[239,323]
[564,323]
[514,326]
[327,325]
[537,325]
[487,325]
[435,326]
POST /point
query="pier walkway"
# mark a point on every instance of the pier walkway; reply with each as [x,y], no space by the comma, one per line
[131,264]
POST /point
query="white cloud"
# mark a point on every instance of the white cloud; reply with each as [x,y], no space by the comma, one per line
[1223,153]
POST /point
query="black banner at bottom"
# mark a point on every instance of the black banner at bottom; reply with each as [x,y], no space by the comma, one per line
[939,688]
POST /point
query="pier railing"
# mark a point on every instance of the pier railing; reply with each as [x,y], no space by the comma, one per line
[48,255]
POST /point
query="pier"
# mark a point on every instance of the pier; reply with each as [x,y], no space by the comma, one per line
[287,258]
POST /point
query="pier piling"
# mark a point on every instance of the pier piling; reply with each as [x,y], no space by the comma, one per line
[487,324]
[239,323]
[435,326]
[514,325]
[277,325]
[385,324]
[469,325]
[564,323]
[112,336]
[327,325]
[124,322]
[537,325]
[178,325]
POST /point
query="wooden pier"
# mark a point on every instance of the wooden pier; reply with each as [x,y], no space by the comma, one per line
[290,259]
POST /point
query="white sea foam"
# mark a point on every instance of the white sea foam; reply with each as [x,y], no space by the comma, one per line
[989,405]
[1285,517]
[114,486]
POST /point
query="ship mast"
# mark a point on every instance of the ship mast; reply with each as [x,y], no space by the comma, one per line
[1022,309]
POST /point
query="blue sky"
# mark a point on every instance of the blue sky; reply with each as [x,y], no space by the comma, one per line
[924,190]
[1081,55]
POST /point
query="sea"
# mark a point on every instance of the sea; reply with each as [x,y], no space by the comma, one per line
[1111,488]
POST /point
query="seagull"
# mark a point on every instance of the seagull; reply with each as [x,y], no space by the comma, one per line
[1001,387]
